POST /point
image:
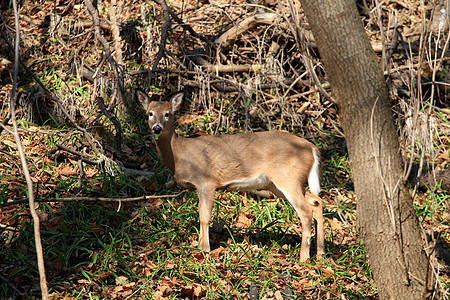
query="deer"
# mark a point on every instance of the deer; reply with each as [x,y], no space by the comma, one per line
[277,161]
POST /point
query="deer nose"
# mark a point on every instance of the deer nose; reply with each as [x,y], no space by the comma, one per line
[157,129]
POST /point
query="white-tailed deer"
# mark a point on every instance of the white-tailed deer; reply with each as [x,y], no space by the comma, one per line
[273,160]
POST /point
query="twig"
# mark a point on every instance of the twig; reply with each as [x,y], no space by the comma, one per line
[5,122]
[46,22]
[91,75]
[116,123]
[37,234]
[209,67]
[189,28]
[162,45]
[74,123]
[81,176]
[116,32]
[298,33]
[118,78]
[79,154]
[93,199]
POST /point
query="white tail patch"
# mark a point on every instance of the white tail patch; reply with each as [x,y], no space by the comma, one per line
[313,179]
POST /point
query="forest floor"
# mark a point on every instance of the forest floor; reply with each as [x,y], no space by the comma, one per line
[84,157]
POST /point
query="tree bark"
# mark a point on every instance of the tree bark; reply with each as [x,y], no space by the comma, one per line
[385,213]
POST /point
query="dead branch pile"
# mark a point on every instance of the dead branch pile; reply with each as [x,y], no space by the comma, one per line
[245,66]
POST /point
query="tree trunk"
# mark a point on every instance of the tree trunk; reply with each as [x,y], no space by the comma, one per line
[386,217]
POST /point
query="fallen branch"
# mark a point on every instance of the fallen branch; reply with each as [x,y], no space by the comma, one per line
[230,36]
[79,155]
[90,74]
[49,20]
[209,67]
[92,199]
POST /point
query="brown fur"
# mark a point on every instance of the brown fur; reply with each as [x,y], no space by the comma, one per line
[277,161]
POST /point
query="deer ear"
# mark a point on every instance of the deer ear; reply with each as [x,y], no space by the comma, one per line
[176,101]
[142,98]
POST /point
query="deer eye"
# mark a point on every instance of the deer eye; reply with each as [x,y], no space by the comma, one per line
[150,114]
[166,115]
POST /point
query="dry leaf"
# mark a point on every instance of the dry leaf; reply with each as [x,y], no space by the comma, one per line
[336,224]
[10,143]
[67,170]
[278,295]
[245,200]
[198,290]
[327,271]
[170,265]
[121,280]
[84,281]
[243,221]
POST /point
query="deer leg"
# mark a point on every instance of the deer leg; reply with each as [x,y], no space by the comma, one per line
[304,210]
[205,207]
[306,216]
[316,204]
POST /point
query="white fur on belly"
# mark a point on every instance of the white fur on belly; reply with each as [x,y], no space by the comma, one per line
[258,182]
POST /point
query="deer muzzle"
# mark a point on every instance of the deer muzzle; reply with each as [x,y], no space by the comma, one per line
[157,128]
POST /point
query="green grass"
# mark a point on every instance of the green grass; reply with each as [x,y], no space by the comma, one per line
[154,247]
[151,246]
[89,247]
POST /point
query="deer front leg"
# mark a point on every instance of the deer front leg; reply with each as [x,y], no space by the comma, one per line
[205,207]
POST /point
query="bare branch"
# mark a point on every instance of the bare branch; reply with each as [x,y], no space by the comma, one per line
[37,234]
[94,199]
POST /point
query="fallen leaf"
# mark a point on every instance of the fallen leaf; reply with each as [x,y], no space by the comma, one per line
[216,253]
[118,289]
[84,281]
[327,271]
[9,143]
[198,291]
[245,200]
[243,221]
[67,170]
[278,295]
[121,280]
[336,224]
[170,265]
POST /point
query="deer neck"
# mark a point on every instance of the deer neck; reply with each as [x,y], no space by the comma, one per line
[165,145]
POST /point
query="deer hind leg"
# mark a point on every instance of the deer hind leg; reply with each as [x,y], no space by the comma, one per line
[205,206]
[316,204]
[292,192]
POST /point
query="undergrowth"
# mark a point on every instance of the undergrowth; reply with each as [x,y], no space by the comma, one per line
[148,249]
